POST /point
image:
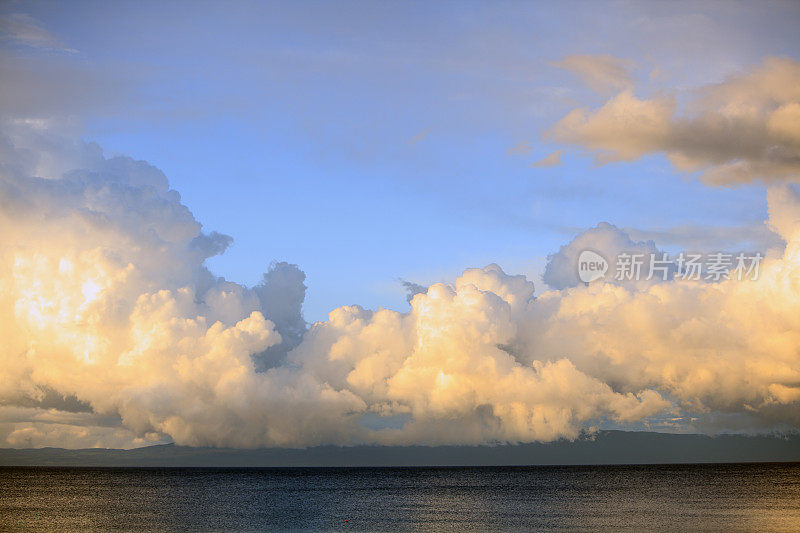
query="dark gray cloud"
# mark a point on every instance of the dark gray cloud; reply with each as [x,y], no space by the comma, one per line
[412,289]
[282,292]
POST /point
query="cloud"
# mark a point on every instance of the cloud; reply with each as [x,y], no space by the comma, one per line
[551,160]
[417,138]
[609,241]
[603,73]
[103,269]
[106,301]
[25,428]
[726,348]
[742,130]
[412,289]
[755,237]
[523,148]
[281,294]
[22,29]
[449,366]
[606,239]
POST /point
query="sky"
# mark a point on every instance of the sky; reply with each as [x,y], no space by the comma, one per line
[355,146]
[395,119]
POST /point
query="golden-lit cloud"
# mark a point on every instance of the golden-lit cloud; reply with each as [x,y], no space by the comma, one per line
[115,332]
[741,130]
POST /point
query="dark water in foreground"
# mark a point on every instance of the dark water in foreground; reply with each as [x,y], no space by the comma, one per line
[669,497]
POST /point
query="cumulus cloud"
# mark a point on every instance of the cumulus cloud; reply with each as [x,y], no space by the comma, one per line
[103,272]
[603,72]
[715,349]
[744,129]
[450,366]
[106,306]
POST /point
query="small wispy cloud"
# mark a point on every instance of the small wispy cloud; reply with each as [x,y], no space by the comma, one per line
[523,148]
[549,161]
[756,236]
[603,73]
[24,30]
[417,138]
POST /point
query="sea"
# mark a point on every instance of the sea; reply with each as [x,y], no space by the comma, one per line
[707,497]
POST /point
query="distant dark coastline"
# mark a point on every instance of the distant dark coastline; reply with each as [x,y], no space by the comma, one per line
[607,447]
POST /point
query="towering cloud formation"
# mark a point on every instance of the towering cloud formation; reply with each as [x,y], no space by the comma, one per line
[115,333]
[105,297]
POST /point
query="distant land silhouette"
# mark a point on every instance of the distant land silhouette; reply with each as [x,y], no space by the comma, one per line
[605,447]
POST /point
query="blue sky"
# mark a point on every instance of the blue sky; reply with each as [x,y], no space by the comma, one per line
[368,142]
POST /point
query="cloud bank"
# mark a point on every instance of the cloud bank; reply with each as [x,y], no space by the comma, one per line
[116,334]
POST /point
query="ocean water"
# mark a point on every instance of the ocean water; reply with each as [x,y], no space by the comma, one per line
[738,497]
